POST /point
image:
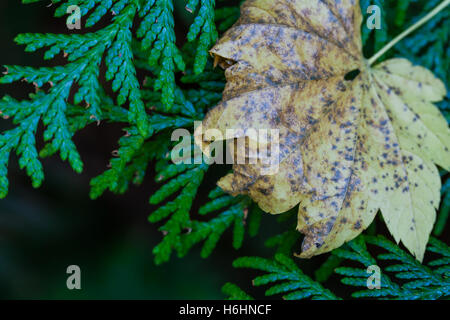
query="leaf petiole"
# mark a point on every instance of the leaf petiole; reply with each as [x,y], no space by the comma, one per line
[405,33]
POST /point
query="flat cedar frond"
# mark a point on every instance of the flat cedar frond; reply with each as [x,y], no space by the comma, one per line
[187,178]
[412,280]
[158,35]
[129,163]
[203,27]
[285,277]
[51,107]
[232,214]
[180,231]
[117,47]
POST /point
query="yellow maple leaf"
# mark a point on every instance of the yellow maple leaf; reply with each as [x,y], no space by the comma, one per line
[348,148]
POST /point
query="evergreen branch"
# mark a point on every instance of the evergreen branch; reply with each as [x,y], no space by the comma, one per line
[188,180]
[234,292]
[295,286]
[157,32]
[233,213]
[418,281]
[52,107]
[204,25]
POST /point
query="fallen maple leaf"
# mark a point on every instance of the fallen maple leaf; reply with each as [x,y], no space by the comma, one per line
[348,148]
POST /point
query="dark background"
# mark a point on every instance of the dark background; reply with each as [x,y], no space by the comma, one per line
[44,231]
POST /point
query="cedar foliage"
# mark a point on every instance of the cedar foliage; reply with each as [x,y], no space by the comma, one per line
[180,86]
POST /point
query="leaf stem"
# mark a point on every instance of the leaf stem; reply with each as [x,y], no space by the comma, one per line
[405,33]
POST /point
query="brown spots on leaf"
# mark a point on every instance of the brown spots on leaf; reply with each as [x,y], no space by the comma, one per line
[348,147]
